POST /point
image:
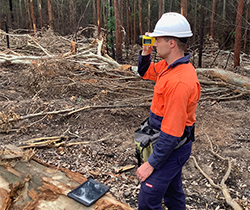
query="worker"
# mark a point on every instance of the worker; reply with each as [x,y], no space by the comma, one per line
[172,112]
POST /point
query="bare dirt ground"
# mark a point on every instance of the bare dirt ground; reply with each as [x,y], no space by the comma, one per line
[103,131]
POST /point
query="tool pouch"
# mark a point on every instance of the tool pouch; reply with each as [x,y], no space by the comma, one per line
[145,139]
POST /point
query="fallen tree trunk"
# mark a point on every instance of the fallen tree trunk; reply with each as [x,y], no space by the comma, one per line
[36,185]
[226,76]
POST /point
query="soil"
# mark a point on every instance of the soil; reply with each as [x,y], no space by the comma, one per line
[58,85]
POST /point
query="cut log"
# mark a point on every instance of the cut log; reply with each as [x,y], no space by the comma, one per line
[226,76]
[36,185]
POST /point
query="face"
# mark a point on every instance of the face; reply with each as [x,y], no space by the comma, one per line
[162,46]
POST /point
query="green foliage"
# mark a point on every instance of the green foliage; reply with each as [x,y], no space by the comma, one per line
[233,34]
[111,27]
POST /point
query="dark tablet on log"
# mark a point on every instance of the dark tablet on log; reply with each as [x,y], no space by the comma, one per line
[88,192]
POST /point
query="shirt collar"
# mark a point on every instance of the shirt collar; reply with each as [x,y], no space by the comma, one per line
[184,59]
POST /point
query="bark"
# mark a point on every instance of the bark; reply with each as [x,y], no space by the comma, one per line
[170,5]
[7,36]
[184,8]
[33,16]
[134,21]
[111,31]
[140,17]
[22,188]
[160,12]
[11,12]
[246,26]
[40,13]
[72,14]
[149,15]
[118,36]
[99,18]
[195,22]
[237,44]
[28,18]
[224,9]
[201,32]
[94,13]
[227,76]
[50,14]
[212,19]
[122,12]
[128,21]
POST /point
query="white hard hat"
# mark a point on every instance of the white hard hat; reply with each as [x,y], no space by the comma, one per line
[172,24]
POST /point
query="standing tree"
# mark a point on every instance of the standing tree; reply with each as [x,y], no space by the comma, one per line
[148,20]
[118,37]
[160,12]
[50,14]
[121,9]
[195,22]
[32,15]
[128,21]
[224,9]
[40,14]
[140,17]
[99,18]
[202,32]
[134,21]
[28,18]
[184,8]
[237,44]
[246,26]
[212,20]
[72,14]
[11,12]
[94,13]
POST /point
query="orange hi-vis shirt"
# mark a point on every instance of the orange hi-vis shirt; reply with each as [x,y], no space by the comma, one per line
[176,94]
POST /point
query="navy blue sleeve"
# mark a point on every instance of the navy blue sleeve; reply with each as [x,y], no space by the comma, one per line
[162,150]
[143,63]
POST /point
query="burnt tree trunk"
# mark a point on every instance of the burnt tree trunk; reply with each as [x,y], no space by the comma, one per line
[11,12]
[7,31]
[237,44]
[212,19]
[128,13]
[149,11]
[28,18]
[94,13]
[201,32]
[72,14]
[134,21]
[140,17]
[246,27]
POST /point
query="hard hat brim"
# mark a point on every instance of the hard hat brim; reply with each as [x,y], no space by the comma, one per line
[162,33]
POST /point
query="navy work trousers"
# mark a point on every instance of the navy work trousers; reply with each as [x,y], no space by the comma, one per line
[166,183]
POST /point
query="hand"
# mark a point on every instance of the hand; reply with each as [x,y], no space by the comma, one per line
[144,171]
[146,50]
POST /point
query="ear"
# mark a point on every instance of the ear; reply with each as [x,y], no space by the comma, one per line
[172,43]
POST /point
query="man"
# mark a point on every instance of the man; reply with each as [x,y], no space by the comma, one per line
[176,94]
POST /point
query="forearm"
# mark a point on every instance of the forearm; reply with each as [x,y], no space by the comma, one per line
[143,63]
[162,150]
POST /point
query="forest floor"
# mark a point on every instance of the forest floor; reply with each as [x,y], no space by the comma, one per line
[97,139]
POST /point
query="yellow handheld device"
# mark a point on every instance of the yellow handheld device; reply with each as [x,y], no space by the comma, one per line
[146,40]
